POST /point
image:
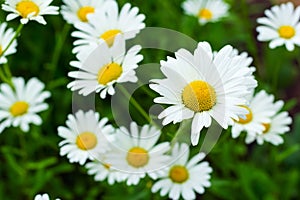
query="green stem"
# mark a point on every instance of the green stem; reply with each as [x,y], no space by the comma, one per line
[12,40]
[183,134]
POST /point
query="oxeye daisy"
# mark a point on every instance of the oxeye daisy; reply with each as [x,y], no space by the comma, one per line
[260,109]
[85,136]
[184,177]
[203,86]
[277,126]
[106,23]
[135,154]
[42,197]
[19,106]
[29,10]
[77,10]
[281,26]
[206,10]
[105,67]
[5,37]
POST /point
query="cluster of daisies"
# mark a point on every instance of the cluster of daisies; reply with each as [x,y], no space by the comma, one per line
[199,87]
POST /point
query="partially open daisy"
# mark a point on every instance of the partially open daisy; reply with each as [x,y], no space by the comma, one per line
[260,109]
[206,10]
[19,106]
[105,67]
[281,26]
[29,10]
[273,130]
[135,153]
[203,86]
[5,37]
[85,136]
[77,10]
[184,177]
[42,197]
[106,23]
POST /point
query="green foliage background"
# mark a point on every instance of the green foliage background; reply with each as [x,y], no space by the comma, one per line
[30,162]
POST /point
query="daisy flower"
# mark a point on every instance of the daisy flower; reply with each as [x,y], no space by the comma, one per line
[29,10]
[281,26]
[77,10]
[5,37]
[135,153]
[206,10]
[85,136]
[277,126]
[106,23]
[184,177]
[42,197]
[260,109]
[105,67]
[19,106]
[203,86]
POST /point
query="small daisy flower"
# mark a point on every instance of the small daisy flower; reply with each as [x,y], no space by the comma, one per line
[5,37]
[135,153]
[29,10]
[19,107]
[42,197]
[281,26]
[203,86]
[260,109]
[105,67]
[106,23]
[273,130]
[184,177]
[85,136]
[77,10]
[206,11]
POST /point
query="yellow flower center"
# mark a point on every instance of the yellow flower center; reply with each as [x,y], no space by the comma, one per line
[137,157]
[106,166]
[286,32]
[109,73]
[84,11]
[199,96]
[26,7]
[86,141]
[109,36]
[205,14]
[178,174]
[267,127]
[19,108]
[1,51]
[248,116]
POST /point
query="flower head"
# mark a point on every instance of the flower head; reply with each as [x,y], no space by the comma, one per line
[5,37]
[42,197]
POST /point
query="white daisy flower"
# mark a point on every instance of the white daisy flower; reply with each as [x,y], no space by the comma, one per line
[203,86]
[77,10]
[42,197]
[5,37]
[19,106]
[29,10]
[206,10]
[260,109]
[106,23]
[184,177]
[281,26]
[273,130]
[85,136]
[135,153]
[105,67]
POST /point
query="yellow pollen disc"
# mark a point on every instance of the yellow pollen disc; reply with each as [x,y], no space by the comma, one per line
[178,174]
[84,11]
[137,157]
[267,127]
[286,32]
[248,116]
[199,96]
[109,73]
[205,14]
[109,36]
[19,108]
[1,51]
[86,141]
[106,165]
[26,7]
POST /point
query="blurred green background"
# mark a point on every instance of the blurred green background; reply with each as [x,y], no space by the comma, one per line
[30,162]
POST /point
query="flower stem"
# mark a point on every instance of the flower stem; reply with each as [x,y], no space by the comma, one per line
[13,39]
